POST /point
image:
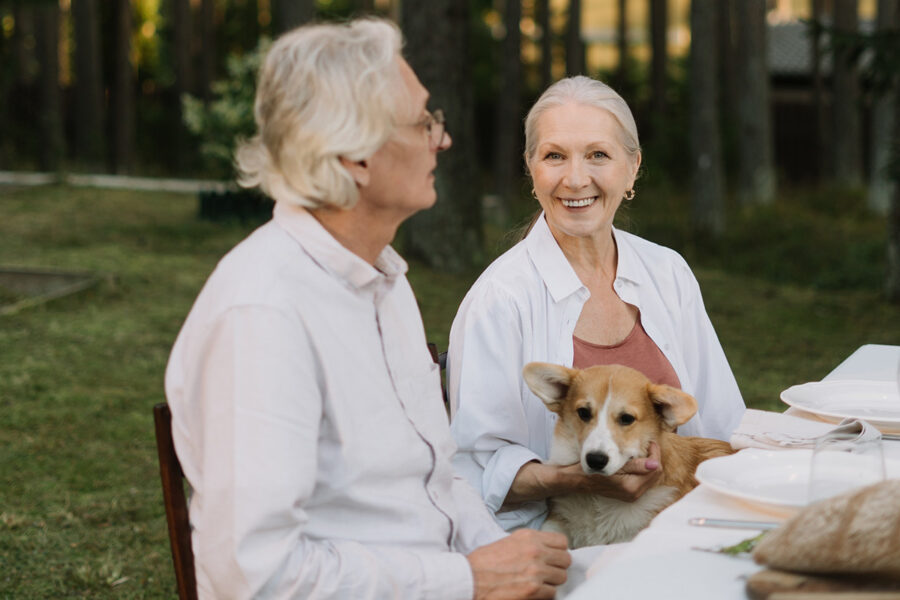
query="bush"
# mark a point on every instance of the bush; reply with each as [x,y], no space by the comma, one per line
[229,117]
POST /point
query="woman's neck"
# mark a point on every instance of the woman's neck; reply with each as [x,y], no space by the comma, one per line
[594,258]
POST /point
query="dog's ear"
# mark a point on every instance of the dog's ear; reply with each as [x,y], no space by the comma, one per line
[673,406]
[549,382]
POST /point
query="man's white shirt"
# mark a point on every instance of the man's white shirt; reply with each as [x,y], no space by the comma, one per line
[307,415]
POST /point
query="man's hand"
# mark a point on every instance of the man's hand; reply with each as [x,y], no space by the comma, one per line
[631,481]
[525,564]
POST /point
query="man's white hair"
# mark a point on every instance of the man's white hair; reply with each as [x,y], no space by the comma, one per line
[590,92]
[325,91]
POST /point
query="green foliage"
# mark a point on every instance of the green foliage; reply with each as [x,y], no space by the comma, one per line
[229,117]
[824,239]
[877,57]
[876,54]
[743,547]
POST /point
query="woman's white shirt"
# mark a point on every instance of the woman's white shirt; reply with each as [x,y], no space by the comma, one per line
[524,308]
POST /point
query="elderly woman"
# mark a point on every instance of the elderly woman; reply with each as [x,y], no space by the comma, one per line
[577,292]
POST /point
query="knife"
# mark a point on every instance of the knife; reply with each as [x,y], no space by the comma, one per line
[732,523]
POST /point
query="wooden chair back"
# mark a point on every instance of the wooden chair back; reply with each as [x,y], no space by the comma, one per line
[441,359]
[176,504]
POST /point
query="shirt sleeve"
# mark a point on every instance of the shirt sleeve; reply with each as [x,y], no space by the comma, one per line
[489,424]
[255,381]
[476,525]
[720,405]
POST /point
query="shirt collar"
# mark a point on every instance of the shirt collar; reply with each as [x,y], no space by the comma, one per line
[329,254]
[550,262]
[628,266]
[554,268]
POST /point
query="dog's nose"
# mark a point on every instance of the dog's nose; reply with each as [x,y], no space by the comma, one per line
[596,460]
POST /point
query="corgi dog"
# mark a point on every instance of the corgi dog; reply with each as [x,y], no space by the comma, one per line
[608,415]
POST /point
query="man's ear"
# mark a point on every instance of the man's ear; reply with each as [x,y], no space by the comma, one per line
[359,170]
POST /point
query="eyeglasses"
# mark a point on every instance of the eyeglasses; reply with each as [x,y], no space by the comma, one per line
[435,127]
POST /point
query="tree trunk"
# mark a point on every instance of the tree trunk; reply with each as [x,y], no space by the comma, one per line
[207,48]
[893,245]
[659,23]
[7,80]
[847,160]
[448,235]
[50,120]
[543,18]
[508,168]
[182,59]
[123,92]
[574,44]
[89,101]
[181,46]
[248,15]
[727,39]
[622,41]
[24,65]
[288,14]
[823,138]
[881,186]
[708,205]
[756,166]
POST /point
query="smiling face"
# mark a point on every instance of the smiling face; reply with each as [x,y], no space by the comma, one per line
[580,169]
[607,414]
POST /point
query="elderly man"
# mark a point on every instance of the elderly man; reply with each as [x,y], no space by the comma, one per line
[306,410]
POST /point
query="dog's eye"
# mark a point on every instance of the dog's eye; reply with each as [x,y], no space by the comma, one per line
[625,419]
[584,414]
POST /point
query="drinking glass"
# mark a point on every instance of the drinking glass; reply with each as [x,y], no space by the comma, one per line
[841,462]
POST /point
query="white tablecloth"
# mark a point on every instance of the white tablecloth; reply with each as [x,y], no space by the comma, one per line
[661,561]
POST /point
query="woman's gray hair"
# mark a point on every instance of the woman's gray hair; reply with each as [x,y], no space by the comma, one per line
[587,91]
[325,91]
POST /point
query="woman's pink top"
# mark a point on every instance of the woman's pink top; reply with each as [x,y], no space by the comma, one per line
[637,351]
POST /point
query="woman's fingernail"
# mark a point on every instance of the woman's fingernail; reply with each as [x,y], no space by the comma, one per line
[652,464]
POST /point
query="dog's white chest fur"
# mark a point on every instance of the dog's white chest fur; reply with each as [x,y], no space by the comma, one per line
[588,519]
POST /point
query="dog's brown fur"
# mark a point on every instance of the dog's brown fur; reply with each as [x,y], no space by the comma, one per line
[609,414]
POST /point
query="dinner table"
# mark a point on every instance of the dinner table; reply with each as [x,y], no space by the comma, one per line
[674,559]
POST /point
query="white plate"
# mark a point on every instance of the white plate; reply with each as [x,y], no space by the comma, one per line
[877,402]
[776,478]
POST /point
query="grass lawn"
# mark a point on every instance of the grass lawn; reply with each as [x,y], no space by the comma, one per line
[80,506]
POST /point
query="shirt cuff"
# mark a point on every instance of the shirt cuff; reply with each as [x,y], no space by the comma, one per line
[447,576]
[501,470]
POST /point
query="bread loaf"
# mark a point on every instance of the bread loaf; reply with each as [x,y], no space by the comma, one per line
[854,533]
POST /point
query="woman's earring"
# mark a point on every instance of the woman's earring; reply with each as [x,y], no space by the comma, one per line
[534,193]
[629,195]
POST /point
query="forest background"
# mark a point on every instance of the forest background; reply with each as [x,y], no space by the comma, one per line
[769,131]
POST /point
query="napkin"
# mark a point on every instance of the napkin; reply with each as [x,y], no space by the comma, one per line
[856,533]
[777,431]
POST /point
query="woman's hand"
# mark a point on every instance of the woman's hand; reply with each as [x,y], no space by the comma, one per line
[537,481]
[631,481]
